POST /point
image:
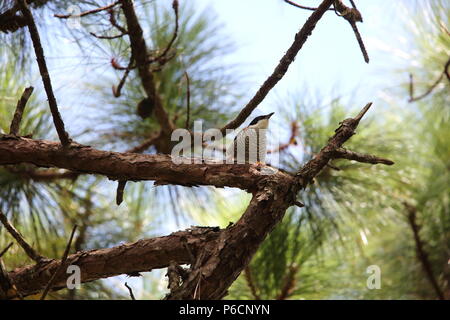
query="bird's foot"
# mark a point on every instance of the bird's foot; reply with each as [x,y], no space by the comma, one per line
[259,164]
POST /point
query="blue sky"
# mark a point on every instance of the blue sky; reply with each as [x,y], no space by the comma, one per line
[329,63]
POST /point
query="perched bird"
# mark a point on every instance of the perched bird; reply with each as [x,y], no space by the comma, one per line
[249,146]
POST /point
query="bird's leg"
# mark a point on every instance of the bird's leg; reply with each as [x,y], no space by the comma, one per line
[259,164]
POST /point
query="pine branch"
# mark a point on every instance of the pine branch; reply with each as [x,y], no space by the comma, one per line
[57,120]
[139,52]
[422,255]
[33,254]
[140,256]
[15,123]
[82,14]
[281,68]
[130,166]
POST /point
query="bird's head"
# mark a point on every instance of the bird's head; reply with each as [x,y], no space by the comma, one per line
[261,122]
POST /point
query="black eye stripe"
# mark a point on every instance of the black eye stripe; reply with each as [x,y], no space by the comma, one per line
[255,121]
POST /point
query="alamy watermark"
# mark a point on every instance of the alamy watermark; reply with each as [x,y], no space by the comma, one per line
[74,279]
[374,280]
[245,146]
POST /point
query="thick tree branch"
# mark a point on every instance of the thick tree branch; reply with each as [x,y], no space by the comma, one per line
[6,249]
[218,261]
[221,262]
[281,68]
[251,283]
[162,57]
[140,256]
[130,291]
[431,88]
[129,166]
[44,176]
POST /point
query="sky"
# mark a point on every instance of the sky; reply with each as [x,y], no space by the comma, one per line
[330,61]
[329,65]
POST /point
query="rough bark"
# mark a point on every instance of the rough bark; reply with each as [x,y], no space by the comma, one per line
[130,258]
[221,262]
[129,166]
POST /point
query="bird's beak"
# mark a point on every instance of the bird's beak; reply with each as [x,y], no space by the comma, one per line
[269,115]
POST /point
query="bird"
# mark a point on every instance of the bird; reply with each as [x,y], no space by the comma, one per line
[249,145]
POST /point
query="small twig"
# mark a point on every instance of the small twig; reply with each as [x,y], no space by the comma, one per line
[112,19]
[59,124]
[432,87]
[292,3]
[130,291]
[188,100]
[162,56]
[67,16]
[108,37]
[117,91]
[198,287]
[6,249]
[250,283]
[360,42]
[362,113]
[292,139]
[15,123]
[360,157]
[329,165]
[289,283]
[20,240]
[61,266]
[352,15]
[120,189]
[421,252]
